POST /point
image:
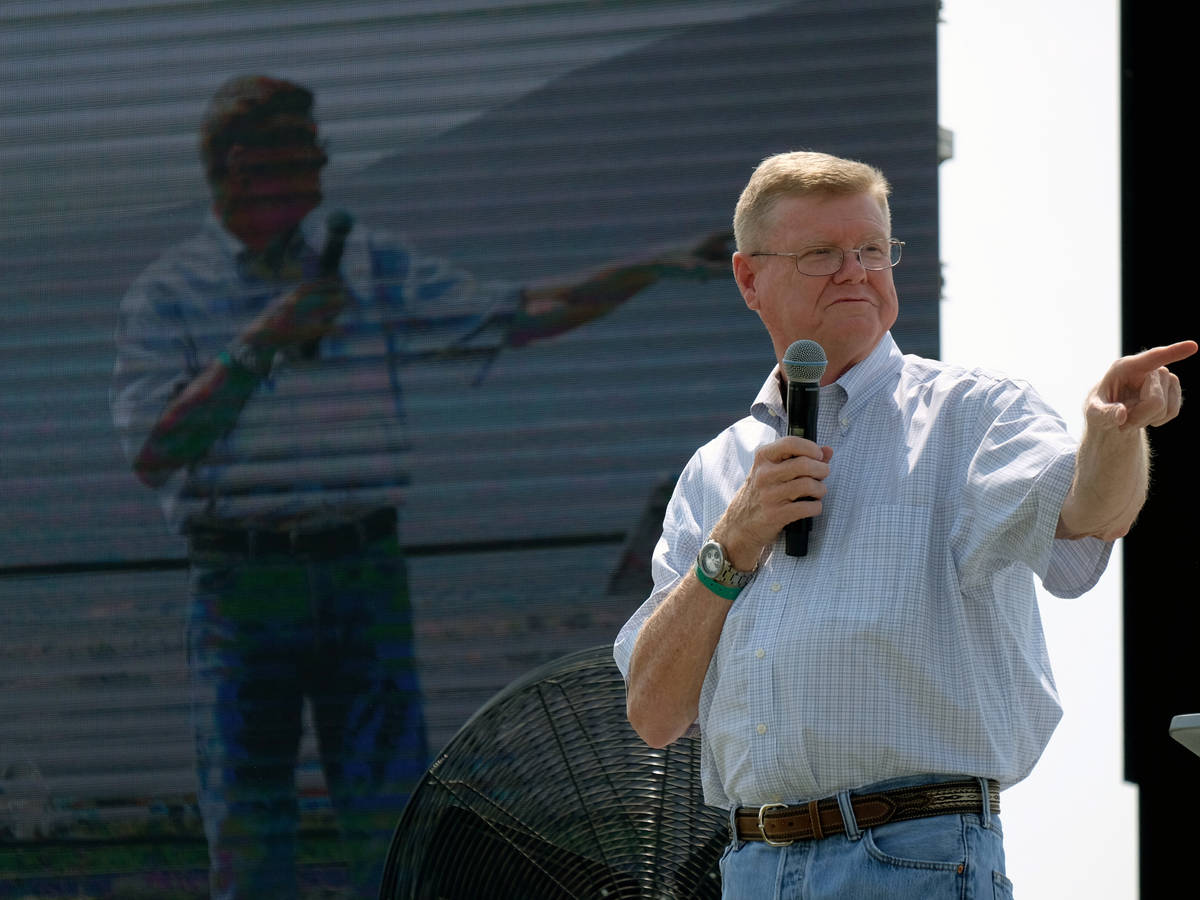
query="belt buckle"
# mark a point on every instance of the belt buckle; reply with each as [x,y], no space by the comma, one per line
[762,825]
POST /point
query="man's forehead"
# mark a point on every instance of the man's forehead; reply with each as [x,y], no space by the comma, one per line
[280,129]
[820,215]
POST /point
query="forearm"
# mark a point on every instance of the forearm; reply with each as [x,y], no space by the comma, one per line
[671,657]
[1112,474]
[1112,467]
[204,411]
[670,660]
[552,309]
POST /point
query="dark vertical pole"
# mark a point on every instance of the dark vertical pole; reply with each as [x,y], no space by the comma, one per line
[1160,299]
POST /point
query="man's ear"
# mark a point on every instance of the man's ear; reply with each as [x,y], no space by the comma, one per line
[745,274]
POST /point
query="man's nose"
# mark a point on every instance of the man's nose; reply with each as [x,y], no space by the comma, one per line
[852,267]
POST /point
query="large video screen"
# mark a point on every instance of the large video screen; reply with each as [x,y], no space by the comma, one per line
[482,149]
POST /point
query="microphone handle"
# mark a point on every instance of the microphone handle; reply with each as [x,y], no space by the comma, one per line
[331,254]
[803,399]
[327,267]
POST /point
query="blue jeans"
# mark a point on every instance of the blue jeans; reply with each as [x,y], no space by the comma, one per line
[265,634]
[939,858]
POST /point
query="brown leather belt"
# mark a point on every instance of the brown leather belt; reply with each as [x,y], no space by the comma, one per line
[779,824]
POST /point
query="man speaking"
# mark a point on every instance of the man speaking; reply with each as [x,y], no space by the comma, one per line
[862,704]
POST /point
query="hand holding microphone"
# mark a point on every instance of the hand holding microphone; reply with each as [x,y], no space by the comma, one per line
[337,227]
[768,501]
[295,322]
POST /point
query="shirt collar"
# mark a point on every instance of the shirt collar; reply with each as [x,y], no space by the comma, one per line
[881,365]
[859,382]
[768,405]
[224,238]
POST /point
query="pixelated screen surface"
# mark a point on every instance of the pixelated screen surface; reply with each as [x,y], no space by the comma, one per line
[484,150]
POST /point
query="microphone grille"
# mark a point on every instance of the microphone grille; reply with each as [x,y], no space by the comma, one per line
[804,361]
[339,222]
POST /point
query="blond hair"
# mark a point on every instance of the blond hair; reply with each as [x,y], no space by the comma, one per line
[801,173]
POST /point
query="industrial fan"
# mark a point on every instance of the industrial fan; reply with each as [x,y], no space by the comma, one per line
[548,794]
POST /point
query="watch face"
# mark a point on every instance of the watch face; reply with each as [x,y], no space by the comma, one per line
[712,559]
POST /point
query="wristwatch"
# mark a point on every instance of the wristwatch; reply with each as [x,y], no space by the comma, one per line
[250,359]
[717,573]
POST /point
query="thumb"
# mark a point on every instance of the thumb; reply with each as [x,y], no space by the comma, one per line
[1107,415]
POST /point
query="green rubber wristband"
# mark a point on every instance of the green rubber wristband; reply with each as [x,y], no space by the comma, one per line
[721,590]
[238,368]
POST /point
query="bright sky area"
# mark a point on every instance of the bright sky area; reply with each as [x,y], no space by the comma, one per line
[1030,239]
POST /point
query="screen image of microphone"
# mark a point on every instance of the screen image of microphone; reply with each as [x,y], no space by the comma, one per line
[337,226]
[803,364]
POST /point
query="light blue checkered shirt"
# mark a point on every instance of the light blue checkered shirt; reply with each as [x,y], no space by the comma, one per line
[908,640]
[316,437]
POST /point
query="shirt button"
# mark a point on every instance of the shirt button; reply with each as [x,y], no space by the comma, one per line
[760,653]
[762,729]
[776,587]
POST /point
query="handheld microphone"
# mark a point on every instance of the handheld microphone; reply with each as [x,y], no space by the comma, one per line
[804,364]
[337,226]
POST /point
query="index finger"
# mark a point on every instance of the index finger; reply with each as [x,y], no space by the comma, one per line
[790,446]
[1155,357]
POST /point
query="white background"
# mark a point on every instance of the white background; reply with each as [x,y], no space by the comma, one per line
[1030,232]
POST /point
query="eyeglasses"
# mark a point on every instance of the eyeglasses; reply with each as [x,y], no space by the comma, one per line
[873,255]
[284,157]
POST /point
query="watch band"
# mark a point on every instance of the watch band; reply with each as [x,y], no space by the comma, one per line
[242,357]
[721,590]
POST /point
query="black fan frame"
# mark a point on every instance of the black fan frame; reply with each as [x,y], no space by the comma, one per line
[547,792]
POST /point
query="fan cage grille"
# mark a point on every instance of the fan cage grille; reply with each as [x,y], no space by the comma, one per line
[547,792]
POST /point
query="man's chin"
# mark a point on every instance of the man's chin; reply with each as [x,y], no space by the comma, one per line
[853,341]
[287,214]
